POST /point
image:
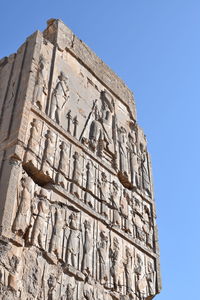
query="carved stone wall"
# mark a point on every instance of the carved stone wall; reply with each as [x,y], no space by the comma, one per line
[77,205]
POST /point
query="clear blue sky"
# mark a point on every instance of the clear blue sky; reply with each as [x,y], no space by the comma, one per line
[154,45]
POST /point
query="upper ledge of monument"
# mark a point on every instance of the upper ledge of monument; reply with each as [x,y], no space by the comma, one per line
[62,36]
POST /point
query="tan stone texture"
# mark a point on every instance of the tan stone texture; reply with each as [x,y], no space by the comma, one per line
[77,206]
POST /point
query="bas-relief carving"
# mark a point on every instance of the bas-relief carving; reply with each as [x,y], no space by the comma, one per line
[63,167]
[132,148]
[103,186]
[101,129]
[69,293]
[74,247]
[33,144]
[116,265]
[41,86]
[128,265]
[56,246]
[104,133]
[123,151]
[90,183]
[59,98]
[76,175]
[143,224]
[38,236]
[48,154]
[51,286]
[148,227]
[73,241]
[126,212]
[100,126]
[87,249]
[144,170]
[102,267]
[88,289]
[150,277]
[22,219]
[115,198]
[103,258]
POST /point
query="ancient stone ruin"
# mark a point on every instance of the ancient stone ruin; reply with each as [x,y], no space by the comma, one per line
[77,212]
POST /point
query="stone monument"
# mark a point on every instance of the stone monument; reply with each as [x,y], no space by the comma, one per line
[77,211]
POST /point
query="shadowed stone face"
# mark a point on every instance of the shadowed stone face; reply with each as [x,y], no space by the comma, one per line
[77,208]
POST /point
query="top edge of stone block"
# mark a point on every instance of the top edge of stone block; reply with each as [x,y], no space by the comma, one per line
[61,36]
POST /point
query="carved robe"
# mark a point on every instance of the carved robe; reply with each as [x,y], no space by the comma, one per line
[87,249]
[103,259]
[73,243]
[116,266]
[60,96]
[38,237]
[41,86]
[76,176]
[57,234]
[129,271]
[22,220]
[104,195]
[101,129]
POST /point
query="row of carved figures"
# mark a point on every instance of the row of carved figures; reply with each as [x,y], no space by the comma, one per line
[102,132]
[100,192]
[54,284]
[144,284]
[60,232]
[140,175]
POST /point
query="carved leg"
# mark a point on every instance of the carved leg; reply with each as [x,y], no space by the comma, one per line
[58,115]
[53,111]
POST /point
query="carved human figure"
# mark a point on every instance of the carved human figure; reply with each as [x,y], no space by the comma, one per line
[99,292]
[140,282]
[115,197]
[63,166]
[125,212]
[101,129]
[64,158]
[129,272]
[33,143]
[57,233]
[41,88]
[138,207]
[144,169]
[139,226]
[123,151]
[69,294]
[15,269]
[104,194]
[87,249]
[133,159]
[149,239]
[90,181]
[138,220]
[147,215]
[60,96]
[116,264]
[73,242]
[22,219]
[51,286]
[88,289]
[33,281]
[150,277]
[76,176]
[138,265]
[38,237]
[49,150]
[103,258]
[148,227]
